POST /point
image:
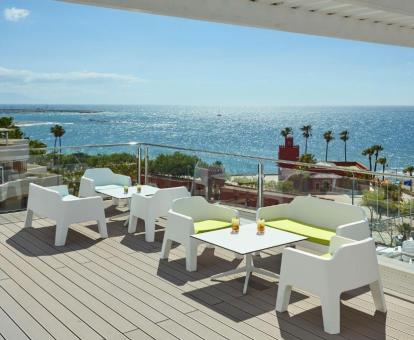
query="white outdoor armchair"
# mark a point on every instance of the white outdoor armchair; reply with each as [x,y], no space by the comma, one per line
[190,216]
[349,265]
[150,207]
[100,177]
[56,203]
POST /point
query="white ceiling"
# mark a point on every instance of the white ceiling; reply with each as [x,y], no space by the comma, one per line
[381,21]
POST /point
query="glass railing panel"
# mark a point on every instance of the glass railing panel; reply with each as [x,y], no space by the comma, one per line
[72,163]
[283,182]
[49,167]
[20,166]
[218,178]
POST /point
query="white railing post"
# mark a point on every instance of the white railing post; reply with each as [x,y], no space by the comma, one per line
[139,170]
[146,165]
[260,184]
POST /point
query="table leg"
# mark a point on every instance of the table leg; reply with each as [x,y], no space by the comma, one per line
[249,268]
[129,209]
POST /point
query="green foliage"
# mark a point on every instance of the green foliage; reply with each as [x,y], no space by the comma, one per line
[286,132]
[176,165]
[36,146]
[245,181]
[405,230]
[280,186]
[307,158]
[383,200]
[8,123]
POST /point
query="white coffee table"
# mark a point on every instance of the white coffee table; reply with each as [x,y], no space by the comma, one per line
[247,242]
[117,191]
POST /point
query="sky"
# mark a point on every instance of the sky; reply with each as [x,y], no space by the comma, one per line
[59,53]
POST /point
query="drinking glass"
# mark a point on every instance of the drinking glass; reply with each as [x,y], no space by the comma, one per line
[235,225]
[260,227]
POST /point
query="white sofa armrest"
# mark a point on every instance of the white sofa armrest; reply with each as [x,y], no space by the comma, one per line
[358,230]
[298,266]
[140,205]
[273,212]
[122,179]
[337,242]
[62,190]
[183,225]
[87,187]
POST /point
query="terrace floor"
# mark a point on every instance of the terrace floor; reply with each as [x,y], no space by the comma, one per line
[118,288]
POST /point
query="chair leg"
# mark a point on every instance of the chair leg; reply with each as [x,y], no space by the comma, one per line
[166,246]
[331,313]
[102,227]
[132,226]
[378,296]
[61,234]
[29,219]
[283,297]
[149,230]
[191,256]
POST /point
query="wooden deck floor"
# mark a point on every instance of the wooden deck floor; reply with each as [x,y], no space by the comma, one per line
[118,289]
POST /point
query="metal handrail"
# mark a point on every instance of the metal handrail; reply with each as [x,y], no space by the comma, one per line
[220,153]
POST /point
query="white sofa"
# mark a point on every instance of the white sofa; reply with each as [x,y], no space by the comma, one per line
[150,207]
[318,219]
[100,178]
[348,265]
[56,203]
[189,216]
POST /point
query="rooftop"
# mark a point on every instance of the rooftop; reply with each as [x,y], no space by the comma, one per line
[117,288]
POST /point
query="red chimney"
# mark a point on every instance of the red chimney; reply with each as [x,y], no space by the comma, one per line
[289,151]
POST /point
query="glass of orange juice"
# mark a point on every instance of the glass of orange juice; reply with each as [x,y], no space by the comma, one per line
[126,188]
[260,227]
[235,225]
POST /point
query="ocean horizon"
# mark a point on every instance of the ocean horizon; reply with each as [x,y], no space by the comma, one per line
[243,130]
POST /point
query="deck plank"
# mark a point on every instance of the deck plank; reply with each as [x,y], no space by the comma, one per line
[118,288]
[25,321]
[9,329]
[74,298]
[37,311]
[47,299]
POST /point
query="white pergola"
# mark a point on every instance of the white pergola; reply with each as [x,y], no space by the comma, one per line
[380,21]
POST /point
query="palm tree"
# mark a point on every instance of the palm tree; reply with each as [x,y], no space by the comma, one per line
[58,131]
[306,133]
[328,136]
[377,148]
[344,136]
[369,152]
[409,170]
[382,161]
[286,132]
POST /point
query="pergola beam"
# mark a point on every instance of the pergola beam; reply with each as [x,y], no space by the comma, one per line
[284,18]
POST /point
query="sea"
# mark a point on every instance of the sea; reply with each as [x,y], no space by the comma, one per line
[243,130]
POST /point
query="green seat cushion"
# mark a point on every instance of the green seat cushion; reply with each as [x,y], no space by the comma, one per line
[315,234]
[327,255]
[210,225]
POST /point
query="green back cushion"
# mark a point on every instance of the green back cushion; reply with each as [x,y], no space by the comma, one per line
[210,225]
[315,234]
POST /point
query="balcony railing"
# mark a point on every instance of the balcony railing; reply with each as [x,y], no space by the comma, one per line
[244,181]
